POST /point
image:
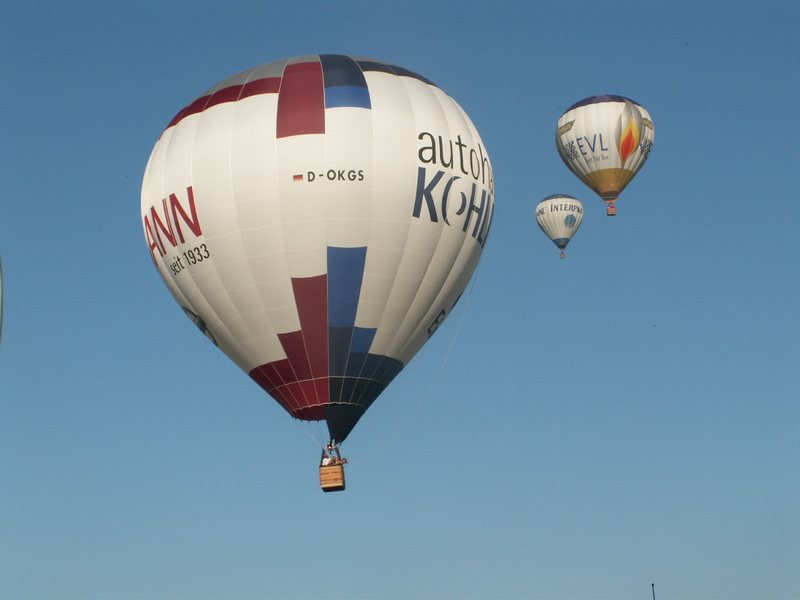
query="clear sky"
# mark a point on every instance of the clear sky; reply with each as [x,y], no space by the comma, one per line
[577,429]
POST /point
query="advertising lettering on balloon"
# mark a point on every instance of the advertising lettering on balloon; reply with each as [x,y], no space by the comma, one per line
[435,188]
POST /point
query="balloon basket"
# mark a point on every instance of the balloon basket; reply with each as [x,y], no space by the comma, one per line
[331,478]
[611,210]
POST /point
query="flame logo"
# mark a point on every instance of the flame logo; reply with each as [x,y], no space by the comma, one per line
[629,131]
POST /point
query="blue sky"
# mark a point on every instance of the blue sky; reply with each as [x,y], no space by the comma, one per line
[577,429]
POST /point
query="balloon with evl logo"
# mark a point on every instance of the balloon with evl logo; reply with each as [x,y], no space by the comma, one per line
[318,218]
[559,217]
[605,141]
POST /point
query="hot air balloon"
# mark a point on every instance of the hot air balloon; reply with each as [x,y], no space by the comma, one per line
[1,300]
[605,140]
[559,216]
[318,218]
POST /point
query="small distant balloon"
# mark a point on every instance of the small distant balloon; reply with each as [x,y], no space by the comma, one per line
[604,141]
[559,216]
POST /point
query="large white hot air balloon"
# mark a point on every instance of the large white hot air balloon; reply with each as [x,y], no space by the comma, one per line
[559,216]
[318,218]
[605,140]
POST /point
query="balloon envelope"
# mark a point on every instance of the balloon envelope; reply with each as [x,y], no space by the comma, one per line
[559,217]
[605,140]
[1,300]
[318,218]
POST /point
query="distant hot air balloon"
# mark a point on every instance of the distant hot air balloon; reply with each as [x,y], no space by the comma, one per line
[605,140]
[318,218]
[559,216]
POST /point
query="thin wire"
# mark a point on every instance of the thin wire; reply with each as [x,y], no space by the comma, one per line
[312,430]
[436,378]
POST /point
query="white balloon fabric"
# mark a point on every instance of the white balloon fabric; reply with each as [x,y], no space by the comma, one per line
[559,216]
[605,140]
[318,218]
[1,300]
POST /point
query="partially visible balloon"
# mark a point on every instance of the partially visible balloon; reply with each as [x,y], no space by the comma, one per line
[559,216]
[1,300]
[318,218]
[605,140]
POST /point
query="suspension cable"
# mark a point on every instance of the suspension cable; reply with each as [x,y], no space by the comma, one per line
[436,378]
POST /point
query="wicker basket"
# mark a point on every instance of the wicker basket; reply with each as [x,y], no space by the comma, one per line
[331,478]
